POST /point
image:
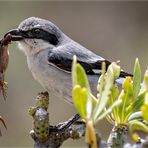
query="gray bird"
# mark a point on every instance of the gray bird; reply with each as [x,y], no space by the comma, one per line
[49,56]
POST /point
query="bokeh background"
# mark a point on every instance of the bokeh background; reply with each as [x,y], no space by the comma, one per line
[114,30]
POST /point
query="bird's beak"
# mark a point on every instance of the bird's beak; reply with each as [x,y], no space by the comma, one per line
[17,35]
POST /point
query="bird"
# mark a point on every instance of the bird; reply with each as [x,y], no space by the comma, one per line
[50,54]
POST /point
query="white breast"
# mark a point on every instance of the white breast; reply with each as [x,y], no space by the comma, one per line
[56,81]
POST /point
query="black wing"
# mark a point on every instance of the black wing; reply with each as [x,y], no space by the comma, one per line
[62,58]
[66,64]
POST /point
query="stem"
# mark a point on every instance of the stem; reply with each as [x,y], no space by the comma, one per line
[118,136]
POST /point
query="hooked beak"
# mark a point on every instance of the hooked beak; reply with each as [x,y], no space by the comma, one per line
[17,34]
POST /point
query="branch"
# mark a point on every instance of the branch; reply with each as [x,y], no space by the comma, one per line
[45,135]
[118,136]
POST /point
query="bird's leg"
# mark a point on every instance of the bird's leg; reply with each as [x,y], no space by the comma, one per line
[62,126]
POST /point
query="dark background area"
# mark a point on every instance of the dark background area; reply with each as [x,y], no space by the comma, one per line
[114,30]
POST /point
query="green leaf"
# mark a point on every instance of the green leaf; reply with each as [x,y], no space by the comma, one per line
[146,79]
[126,96]
[74,74]
[80,98]
[127,86]
[113,97]
[137,103]
[101,81]
[136,125]
[135,116]
[144,85]
[112,73]
[101,84]
[94,100]
[135,137]
[137,78]
[144,108]
[109,110]
[80,79]
[78,75]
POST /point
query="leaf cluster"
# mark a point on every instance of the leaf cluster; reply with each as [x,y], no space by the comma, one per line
[127,105]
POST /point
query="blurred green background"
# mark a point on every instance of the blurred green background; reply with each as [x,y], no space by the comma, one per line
[114,30]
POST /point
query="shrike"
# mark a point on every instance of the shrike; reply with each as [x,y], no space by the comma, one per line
[49,56]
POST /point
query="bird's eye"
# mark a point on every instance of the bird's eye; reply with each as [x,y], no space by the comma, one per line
[36,30]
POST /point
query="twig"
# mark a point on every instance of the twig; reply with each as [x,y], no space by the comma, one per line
[62,126]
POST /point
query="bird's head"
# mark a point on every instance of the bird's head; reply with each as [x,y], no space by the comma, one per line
[35,34]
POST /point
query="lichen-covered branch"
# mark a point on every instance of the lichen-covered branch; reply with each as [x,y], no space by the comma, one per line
[118,136]
[47,136]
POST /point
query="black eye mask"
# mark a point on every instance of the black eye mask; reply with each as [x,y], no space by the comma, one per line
[38,33]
